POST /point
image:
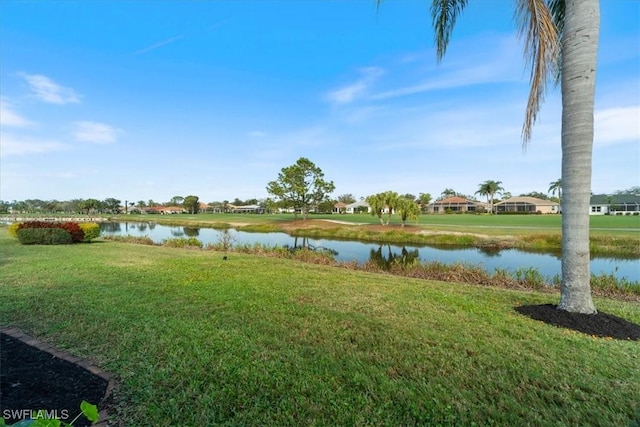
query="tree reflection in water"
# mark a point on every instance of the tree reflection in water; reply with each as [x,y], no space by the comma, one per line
[300,243]
[191,231]
[385,261]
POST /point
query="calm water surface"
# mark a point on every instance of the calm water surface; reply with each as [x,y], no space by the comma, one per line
[511,259]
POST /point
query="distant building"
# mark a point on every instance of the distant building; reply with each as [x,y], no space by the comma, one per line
[456,204]
[615,204]
[360,206]
[527,205]
[254,209]
[339,208]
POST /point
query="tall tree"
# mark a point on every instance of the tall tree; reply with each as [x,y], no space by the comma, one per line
[175,201]
[346,198]
[543,23]
[424,199]
[301,186]
[191,204]
[489,189]
[112,205]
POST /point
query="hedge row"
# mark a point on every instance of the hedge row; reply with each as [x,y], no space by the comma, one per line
[74,232]
[44,236]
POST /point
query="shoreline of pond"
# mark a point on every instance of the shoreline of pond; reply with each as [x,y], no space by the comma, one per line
[623,247]
[543,242]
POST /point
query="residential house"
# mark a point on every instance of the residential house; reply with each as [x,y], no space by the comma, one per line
[526,205]
[339,208]
[456,204]
[615,204]
[254,209]
[357,207]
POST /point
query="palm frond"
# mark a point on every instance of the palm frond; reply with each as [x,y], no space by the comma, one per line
[541,49]
[444,14]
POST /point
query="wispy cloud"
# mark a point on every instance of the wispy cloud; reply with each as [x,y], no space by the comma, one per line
[355,90]
[95,132]
[19,146]
[615,125]
[158,45]
[50,92]
[9,118]
[257,134]
[472,63]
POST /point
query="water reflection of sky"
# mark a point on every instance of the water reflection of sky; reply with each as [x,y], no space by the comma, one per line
[548,265]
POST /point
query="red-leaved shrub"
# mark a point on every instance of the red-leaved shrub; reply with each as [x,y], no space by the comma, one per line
[77,235]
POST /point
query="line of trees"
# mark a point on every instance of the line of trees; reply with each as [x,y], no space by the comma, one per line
[191,204]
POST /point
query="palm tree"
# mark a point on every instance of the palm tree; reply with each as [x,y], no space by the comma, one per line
[545,23]
[448,192]
[490,188]
[407,209]
[376,202]
[555,187]
[390,201]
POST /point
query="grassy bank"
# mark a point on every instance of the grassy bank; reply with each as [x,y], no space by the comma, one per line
[195,340]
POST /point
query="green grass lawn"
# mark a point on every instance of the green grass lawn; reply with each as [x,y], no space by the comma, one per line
[195,340]
[486,224]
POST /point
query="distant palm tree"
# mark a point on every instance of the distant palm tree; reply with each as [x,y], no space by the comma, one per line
[490,188]
[407,209]
[555,187]
[390,200]
[448,192]
[376,202]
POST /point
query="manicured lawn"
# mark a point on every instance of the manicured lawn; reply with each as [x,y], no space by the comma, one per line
[195,340]
[485,224]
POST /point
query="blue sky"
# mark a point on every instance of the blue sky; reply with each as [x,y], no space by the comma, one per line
[142,100]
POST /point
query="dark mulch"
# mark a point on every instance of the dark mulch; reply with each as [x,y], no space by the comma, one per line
[32,379]
[601,324]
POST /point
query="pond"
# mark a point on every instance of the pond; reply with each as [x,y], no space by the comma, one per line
[345,251]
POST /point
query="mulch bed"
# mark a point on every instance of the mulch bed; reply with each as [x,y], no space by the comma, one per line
[600,324]
[34,379]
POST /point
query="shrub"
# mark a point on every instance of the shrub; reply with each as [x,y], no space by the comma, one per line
[91,230]
[13,228]
[44,236]
[77,235]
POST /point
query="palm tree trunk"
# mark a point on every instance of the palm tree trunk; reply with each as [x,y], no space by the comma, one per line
[579,57]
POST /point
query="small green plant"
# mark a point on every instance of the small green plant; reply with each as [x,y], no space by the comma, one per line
[182,242]
[530,277]
[40,418]
[226,241]
[142,240]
